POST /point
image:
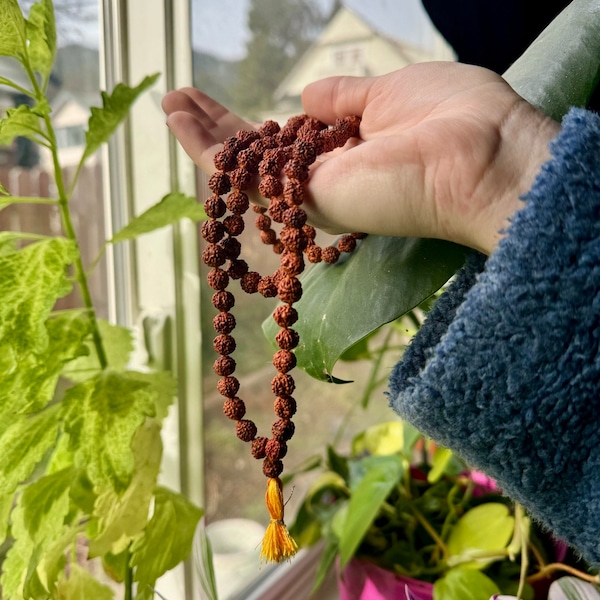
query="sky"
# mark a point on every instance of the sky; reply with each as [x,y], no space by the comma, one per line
[214,21]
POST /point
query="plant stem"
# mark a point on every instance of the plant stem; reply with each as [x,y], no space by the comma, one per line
[548,569]
[26,200]
[63,202]
[128,583]
[430,530]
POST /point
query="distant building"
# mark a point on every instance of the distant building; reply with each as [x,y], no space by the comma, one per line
[349,45]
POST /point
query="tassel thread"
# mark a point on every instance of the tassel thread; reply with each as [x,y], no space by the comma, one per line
[277,545]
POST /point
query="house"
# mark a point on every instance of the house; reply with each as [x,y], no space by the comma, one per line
[350,45]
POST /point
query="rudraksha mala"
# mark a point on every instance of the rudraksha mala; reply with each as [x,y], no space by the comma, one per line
[267,153]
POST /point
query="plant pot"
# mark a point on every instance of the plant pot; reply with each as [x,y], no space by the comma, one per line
[363,580]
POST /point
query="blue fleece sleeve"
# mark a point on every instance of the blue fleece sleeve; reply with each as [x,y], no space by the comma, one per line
[506,369]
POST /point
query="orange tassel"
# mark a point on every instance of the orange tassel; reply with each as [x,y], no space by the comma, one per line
[277,545]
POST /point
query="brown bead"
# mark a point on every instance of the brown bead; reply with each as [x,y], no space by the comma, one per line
[213,255]
[234,224]
[237,269]
[270,186]
[224,366]
[241,179]
[237,202]
[266,287]
[215,207]
[294,217]
[347,243]
[293,192]
[224,322]
[278,247]
[231,247]
[276,449]
[277,208]
[310,232]
[234,408]
[283,429]
[304,151]
[257,208]
[258,447]
[245,137]
[228,386]
[249,282]
[285,315]
[217,279]
[294,169]
[224,344]
[283,385]
[285,408]
[245,430]
[293,239]
[349,125]
[248,159]
[313,253]
[223,301]
[272,469]
[289,290]
[219,183]
[292,264]
[328,141]
[272,162]
[284,360]
[262,222]
[212,231]
[258,146]
[287,339]
[359,236]
[269,128]
[225,160]
[268,236]
[232,144]
[330,254]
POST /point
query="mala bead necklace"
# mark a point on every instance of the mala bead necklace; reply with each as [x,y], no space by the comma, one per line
[267,153]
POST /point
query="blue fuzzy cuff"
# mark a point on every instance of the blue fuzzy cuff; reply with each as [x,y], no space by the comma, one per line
[506,369]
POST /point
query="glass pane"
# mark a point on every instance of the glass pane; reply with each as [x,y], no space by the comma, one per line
[255,57]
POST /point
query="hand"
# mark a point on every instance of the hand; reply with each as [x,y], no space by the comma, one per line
[445,151]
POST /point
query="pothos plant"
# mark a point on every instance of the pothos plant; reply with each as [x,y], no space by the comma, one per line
[80,460]
[413,518]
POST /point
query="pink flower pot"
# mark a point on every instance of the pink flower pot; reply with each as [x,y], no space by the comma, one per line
[362,580]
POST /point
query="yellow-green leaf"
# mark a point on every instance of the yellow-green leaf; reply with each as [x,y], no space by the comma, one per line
[480,535]
[464,584]
[41,32]
[81,585]
[167,539]
[115,107]
[380,439]
[12,30]
[172,208]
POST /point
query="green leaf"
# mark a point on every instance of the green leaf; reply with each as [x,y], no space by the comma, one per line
[41,31]
[572,588]
[171,209]
[118,346]
[23,121]
[368,495]
[168,537]
[23,444]
[29,379]
[384,278]
[480,535]
[380,440]
[203,564]
[101,416]
[6,504]
[441,459]
[115,107]
[3,190]
[122,516]
[464,584]
[31,281]
[12,30]
[561,68]
[16,563]
[81,585]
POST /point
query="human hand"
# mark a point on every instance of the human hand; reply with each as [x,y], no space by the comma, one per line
[445,151]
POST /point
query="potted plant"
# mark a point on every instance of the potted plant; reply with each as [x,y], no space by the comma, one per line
[80,437]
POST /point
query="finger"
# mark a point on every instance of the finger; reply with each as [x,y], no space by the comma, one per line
[197,140]
[337,97]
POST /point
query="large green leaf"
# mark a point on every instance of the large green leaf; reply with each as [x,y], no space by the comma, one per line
[382,474]
[12,30]
[41,32]
[344,303]
[464,584]
[384,278]
[562,66]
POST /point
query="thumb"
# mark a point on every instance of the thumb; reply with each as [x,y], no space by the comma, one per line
[336,97]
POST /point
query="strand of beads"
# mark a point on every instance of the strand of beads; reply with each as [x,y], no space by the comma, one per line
[267,153]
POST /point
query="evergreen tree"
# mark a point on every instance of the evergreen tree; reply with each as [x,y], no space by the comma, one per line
[281,31]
